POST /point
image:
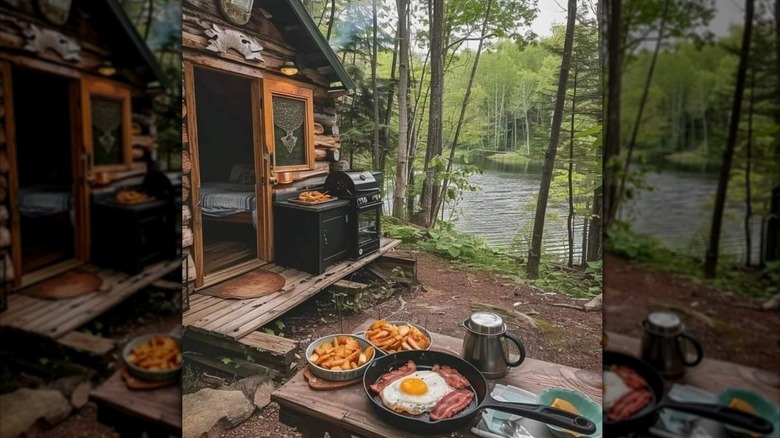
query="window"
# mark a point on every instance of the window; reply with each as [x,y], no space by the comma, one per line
[107,127]
[289,122]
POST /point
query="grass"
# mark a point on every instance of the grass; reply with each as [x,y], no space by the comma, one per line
[508,158]
[691,158]
[650,251]
[467,250]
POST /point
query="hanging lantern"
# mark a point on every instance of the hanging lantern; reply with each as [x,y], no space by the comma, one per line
[55,12]
[236,11]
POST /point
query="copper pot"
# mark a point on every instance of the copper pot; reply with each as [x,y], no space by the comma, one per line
[284,177]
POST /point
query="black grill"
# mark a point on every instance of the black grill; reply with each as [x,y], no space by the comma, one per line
[361,189]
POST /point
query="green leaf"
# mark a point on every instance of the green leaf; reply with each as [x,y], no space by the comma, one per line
[226,360]
[454,252]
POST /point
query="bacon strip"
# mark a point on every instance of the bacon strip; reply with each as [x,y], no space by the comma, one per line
[451,376]
[629,404]
[391,376]
[451,404]
[629,376]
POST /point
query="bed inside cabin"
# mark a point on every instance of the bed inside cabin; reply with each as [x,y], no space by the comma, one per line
[44,160]
[227,171]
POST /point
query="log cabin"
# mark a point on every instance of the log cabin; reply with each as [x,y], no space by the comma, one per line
[77,127]
[261,85]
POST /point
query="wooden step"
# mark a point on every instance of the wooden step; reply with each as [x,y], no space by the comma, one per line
[274,352]
[90,344]
[350,287]
[399,259]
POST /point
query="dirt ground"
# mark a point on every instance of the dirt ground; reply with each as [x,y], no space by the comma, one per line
[440,302]
[729,326]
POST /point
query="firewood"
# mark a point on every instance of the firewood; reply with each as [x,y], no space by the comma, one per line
[327,141]
[334,129]
[183,109]
[319,154]
[145,141]
[186,164]
[319,129]
[75,389]
[186,215]
[186,237]
[5,236]
[3,194]
[326,120]
[185,188]
[5,165]
[184,139]
[138,154]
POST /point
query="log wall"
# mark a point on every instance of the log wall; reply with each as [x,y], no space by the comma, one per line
[6,264]
[199,18]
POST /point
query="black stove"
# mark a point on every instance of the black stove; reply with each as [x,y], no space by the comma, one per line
[362,191]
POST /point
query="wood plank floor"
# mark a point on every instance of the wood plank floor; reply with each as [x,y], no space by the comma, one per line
[237,318]
[224,254]
[55,318]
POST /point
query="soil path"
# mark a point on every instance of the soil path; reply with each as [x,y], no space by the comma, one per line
[737,331]
[440,302]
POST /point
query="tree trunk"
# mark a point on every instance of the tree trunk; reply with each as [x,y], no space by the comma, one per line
[584,249]
[612,129]
[149,20]
[570,222]
[434,145]
[399,196]
[527,134]
[748,158]
[332,17]
[441,197]
[642,101]
[711,259]
[389,108]
[594,232]
[534,255]
[374,88]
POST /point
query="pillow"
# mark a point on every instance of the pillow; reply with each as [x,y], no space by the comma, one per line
[243,174]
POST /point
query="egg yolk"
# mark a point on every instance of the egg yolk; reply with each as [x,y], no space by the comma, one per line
[414,386]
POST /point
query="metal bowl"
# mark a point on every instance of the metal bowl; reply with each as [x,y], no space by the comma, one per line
[143,373]
[338,376]
[362,334]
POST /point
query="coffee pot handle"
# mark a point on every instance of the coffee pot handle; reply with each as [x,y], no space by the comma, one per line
[520,349]
[696,345]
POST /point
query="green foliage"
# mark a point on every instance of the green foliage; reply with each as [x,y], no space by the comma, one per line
[346,303]
[275,328]
[623,242]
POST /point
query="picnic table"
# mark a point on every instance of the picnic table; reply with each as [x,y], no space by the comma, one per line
[711,375]
[346,412]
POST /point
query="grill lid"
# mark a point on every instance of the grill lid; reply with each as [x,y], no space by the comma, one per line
[350,183]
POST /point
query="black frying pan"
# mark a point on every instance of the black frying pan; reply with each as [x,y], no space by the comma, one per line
[422,424]
[646,417]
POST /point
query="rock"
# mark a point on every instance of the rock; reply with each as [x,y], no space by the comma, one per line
[209,412]
[23,407]
[263,394]
[248,385]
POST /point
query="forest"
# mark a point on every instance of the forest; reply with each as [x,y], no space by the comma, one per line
[684,97]
[443,85]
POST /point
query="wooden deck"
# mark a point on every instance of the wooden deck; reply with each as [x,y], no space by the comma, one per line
[56,318]
[238,318]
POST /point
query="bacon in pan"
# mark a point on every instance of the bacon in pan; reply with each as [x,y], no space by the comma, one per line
[451,404]
[391,376]
[451,376]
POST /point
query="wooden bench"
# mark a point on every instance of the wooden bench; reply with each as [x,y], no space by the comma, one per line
[89,344]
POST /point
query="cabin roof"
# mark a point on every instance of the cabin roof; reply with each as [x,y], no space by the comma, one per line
[314,52]
[130,46]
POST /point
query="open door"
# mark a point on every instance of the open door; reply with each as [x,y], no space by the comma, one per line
[47,179]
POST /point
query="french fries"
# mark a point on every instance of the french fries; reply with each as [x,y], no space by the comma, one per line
[391,338]
[160,353]
[341,354]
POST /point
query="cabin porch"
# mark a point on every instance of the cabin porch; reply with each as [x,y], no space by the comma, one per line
[238,320]
[57,318]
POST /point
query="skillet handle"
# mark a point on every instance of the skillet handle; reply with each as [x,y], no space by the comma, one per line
[723,414]
[544,414]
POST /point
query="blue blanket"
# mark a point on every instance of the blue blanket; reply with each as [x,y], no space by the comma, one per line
[36,203]
[220,200]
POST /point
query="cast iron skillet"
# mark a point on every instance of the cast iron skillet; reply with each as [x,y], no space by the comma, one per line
[425,360]
[645,418]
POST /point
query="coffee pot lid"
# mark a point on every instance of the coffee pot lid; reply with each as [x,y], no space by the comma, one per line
[486,323]
[667,323]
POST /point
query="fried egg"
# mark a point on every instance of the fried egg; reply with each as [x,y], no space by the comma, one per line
[416,393]
[614,388]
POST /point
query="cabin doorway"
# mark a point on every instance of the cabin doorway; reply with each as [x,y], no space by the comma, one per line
[227,169]
[46,172]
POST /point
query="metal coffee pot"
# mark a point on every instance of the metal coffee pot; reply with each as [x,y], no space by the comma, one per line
[665,344]
[486,345]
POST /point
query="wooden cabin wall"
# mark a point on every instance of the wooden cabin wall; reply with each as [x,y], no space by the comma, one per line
[188,270]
